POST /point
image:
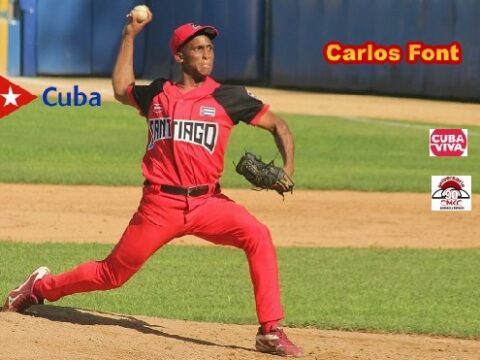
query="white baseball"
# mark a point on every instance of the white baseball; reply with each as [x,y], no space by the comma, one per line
[141,12]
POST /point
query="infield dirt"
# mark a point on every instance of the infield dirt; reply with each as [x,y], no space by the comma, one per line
[308,218]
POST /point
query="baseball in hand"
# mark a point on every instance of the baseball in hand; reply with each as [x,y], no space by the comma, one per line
[141,12]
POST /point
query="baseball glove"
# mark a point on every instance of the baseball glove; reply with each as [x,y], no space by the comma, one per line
[263,175]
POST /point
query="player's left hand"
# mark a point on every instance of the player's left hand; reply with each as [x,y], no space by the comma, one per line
[263,175]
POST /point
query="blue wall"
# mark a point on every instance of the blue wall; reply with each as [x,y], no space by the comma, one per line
[274,42]
[64,44]
[107,25]
[296,50]
[85,39]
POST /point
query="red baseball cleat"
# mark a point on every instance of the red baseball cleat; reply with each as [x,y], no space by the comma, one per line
[276,342]
[22,298]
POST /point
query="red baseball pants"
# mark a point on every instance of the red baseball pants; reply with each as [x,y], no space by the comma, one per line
[162,217]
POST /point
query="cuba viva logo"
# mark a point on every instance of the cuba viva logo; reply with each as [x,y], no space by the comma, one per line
[448,142]
[53,97]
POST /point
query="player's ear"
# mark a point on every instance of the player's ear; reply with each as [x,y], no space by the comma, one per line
[178,57]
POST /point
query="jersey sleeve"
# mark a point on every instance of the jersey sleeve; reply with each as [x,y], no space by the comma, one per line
[239,104]
[141,96]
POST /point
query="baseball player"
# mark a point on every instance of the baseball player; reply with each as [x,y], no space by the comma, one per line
[189,124]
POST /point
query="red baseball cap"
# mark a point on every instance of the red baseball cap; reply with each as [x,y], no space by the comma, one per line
[187,31]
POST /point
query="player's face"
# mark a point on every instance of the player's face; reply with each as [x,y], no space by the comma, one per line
[198,56]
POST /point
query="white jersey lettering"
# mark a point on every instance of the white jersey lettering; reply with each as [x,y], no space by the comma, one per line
[200,133]
[197,132]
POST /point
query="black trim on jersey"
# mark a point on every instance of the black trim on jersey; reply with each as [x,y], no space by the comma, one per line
[144,94]
[239,105]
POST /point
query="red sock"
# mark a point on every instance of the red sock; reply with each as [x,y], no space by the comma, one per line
[269,326]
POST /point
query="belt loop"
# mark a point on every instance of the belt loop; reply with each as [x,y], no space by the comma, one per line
[153,187]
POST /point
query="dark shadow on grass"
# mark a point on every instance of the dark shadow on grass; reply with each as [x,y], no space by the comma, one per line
[87,317]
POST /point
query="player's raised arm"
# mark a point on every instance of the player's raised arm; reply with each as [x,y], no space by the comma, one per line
[283,138]
[123,74]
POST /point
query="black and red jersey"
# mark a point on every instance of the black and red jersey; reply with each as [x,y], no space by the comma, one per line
[188,132]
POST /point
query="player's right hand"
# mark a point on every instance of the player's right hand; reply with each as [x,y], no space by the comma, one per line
[133,26]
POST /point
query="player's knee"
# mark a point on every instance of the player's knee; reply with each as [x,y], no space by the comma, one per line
[257,235]
[113,274]
[262,231]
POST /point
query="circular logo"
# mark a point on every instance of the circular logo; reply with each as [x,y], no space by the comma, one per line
[448,142]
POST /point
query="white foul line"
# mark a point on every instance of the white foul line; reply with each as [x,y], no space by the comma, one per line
[393,123]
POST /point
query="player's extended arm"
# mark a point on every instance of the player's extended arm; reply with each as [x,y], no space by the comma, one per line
[123,74]
[283,138]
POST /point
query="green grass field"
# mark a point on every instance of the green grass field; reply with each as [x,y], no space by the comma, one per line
[105,146]
[408,291]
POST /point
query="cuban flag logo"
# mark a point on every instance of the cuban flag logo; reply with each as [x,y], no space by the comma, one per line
[207,111]
[157,108]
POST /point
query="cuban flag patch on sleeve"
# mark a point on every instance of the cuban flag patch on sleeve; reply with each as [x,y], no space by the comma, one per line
[207,111]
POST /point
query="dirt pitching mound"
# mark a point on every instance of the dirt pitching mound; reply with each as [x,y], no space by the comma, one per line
[51,333]
[38,213]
